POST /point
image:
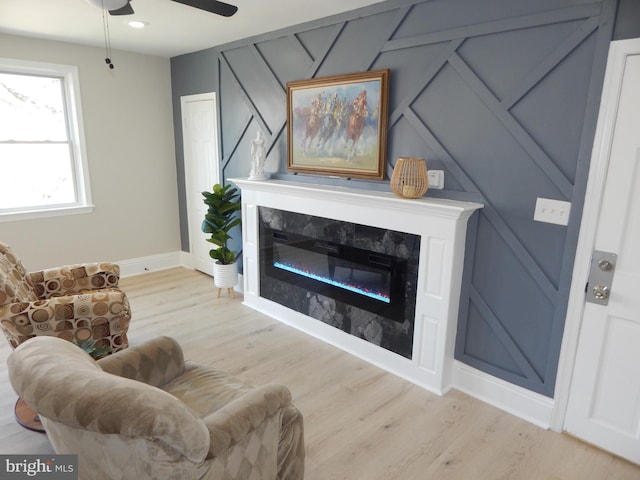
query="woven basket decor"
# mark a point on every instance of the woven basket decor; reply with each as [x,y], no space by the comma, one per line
[409,178]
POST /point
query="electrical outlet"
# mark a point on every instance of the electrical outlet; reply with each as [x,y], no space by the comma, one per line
[552,211]
[436,179]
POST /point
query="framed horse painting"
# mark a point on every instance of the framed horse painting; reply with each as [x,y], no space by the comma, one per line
[337,125]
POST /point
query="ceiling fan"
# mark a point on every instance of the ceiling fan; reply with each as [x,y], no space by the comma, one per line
[123,7]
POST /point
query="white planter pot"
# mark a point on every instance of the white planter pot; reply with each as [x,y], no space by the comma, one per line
[225,276]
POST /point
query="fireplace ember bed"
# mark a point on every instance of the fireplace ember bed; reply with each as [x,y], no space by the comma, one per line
[363,278]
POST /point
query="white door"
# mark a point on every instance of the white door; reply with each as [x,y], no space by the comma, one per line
[604,398]
[200,139]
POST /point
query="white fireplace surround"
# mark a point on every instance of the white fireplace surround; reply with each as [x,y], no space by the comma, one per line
[442,226]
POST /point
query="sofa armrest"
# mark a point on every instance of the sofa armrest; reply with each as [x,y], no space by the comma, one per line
[155,362]
[241,416]
[102,317]
[78,394]
[74,279]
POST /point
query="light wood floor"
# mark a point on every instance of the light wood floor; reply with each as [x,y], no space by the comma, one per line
[361,423]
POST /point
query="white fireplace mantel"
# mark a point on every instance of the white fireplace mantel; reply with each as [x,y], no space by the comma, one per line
[442,226]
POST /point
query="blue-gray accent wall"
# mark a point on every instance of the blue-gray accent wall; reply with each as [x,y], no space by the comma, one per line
[627,20]
[502,95]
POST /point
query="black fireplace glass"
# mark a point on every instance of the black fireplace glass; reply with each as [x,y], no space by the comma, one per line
[368,280]
[357,278]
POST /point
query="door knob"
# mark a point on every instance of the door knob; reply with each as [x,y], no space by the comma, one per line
[601,292]
[603,268]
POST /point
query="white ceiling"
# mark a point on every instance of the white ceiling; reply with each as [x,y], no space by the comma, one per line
[173,28]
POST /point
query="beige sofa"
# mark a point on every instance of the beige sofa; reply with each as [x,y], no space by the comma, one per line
[145,413]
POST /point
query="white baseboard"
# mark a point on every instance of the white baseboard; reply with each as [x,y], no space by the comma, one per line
[518,401]
[163,261]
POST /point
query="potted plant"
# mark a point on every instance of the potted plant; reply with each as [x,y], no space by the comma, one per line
[96,351]
[223,202]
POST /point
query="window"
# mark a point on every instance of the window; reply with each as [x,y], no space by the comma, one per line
[42,154]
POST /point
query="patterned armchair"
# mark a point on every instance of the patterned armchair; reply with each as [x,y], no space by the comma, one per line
[146,413]
[74,302]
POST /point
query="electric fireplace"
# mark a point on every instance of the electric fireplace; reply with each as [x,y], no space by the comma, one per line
[356,278]
[368,280]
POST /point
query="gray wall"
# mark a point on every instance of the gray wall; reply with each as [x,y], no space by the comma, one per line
[190,74]
[627,20]
[500,94]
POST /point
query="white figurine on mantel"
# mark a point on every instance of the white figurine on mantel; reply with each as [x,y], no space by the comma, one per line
[258,155]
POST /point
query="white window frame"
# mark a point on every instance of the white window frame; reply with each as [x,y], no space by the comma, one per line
[73,107]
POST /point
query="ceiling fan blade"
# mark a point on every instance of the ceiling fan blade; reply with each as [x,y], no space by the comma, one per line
[126,10]
[213,6]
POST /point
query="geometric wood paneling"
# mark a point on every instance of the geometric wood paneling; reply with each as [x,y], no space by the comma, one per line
[502,96]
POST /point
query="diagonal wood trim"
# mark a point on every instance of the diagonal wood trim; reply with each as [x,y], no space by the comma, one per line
[236,142]
[227,156]
[497,26]
[333,38]
[559,53]
[305,55]
[503,336]
[430,72]
[447,160]
[383,38]
[532,268]
[245,96]
[266,67]
[517,131]
[273,134]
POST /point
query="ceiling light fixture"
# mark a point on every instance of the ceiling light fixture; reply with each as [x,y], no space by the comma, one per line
[137,24]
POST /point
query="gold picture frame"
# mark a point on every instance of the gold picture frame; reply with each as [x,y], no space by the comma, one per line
[337,125]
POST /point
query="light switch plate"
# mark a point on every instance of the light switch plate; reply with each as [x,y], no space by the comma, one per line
[552,211]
